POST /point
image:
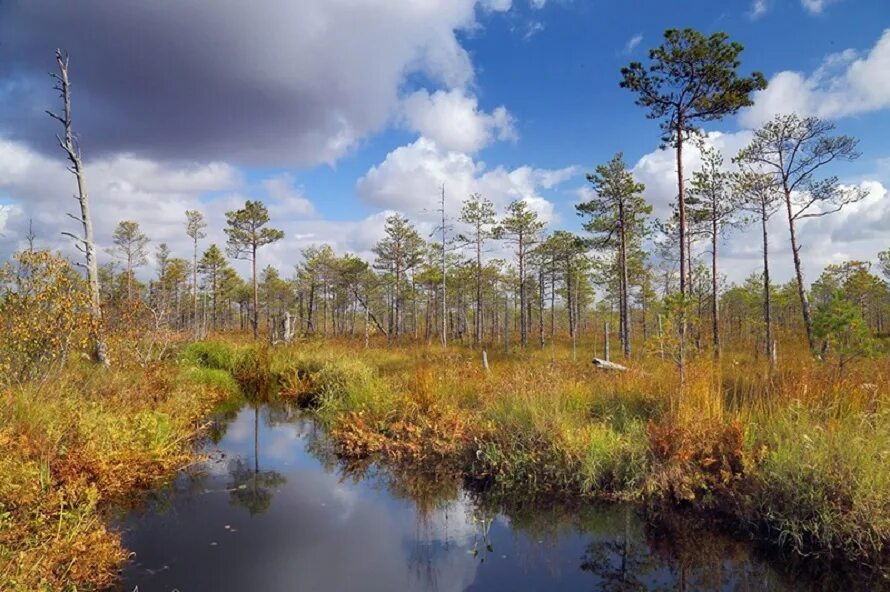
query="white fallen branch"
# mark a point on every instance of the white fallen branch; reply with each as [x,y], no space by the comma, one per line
[607,365]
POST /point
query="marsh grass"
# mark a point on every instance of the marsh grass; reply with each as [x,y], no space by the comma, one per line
[71,447]
[798,455]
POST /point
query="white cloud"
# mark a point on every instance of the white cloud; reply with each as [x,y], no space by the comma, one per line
[497,5]
[549,178]
[410,178]
[155,195]
[286,198]
[658,169]
[534,27]
[122,187]
[538,4]
[633,42]
[453,120]
[758,9]
[816,6]
[846,83]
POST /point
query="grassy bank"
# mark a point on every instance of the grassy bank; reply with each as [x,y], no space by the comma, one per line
[798,457]
[77,443]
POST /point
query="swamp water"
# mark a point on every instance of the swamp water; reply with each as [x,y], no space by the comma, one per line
[272,509]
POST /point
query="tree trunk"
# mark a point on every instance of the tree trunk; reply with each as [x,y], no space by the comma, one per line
[195,286]
[129,279]
[552,301]
[478,286]
[255,321]
[715,305]
[523,328]
[541,307]
[798,271]
[767,305]
[623,312]
[681,208]
[66,142]
[506,323]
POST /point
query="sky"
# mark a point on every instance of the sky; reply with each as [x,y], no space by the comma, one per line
[336,113]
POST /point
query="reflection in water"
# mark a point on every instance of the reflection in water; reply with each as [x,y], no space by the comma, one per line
[273,510]
[251,488]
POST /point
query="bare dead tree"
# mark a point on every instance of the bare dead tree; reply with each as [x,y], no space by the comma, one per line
[30,236]
[86,244]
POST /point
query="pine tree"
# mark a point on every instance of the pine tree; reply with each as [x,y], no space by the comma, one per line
[793,150]
[616,216]
[478,213]
[194,228]
[521,227]
[211,266]
[712,203]
[129,245]
[399,252]
[247,233]
[690,79]
[758,193]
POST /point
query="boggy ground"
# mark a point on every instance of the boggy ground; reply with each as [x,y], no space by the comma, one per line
[78,444]
[797,457]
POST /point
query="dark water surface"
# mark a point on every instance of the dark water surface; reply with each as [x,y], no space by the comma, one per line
[272,510]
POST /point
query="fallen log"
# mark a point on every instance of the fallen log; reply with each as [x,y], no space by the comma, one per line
[607,365]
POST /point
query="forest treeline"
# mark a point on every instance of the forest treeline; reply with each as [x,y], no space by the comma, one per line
[499,278]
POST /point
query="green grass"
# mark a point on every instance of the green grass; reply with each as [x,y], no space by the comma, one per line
[825,481]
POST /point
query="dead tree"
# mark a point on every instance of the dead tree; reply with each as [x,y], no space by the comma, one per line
[86,244]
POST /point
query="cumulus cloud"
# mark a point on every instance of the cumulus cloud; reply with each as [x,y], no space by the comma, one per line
[279,83]
[846,83]
[287,198]
[411,177]
[658,169]
[39,190]
[454,121]
[121,187]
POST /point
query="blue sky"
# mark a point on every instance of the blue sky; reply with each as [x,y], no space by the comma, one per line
[338,112]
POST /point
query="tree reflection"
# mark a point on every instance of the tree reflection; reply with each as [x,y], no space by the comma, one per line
[250,487]
[620,564]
